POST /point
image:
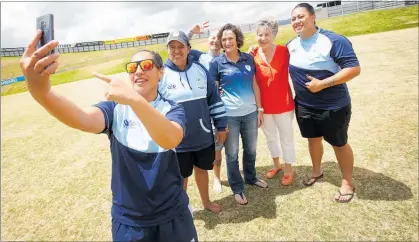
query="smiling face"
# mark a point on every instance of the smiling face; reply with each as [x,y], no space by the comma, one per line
[178,53]
[213,43]
[302,21]
[145,82]
[229,41]
[264,37]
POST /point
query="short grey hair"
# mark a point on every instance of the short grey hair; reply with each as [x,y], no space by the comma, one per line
[268,24]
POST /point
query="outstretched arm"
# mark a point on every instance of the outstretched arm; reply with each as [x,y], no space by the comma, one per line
[37,68]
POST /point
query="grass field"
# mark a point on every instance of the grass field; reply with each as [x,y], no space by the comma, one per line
[78,66]
[55,181]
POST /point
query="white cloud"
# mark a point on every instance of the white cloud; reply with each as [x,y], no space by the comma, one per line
[91,21]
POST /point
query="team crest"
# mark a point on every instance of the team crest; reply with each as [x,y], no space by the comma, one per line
[248,68]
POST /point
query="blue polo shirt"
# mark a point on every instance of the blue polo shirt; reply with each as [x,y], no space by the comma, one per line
[236,80]
[147,188]
[320,56]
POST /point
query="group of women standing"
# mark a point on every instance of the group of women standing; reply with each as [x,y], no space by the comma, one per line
[256,93]
[171,107]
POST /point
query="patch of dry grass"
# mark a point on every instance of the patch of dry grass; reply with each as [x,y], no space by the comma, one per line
[56,181]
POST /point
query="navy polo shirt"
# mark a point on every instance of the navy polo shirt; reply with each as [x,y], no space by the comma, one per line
[236,80]
[147,187]
[322,55]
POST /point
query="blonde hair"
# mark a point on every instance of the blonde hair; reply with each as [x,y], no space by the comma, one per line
[268,24]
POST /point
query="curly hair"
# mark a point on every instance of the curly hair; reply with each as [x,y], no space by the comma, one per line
[237,32]
[266,24]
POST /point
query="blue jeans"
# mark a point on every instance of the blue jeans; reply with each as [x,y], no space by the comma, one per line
[246,126]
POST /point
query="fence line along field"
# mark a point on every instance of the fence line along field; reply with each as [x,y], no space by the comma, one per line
[56,180]
[78,66]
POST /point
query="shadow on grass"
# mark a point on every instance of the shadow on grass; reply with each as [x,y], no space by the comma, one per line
[369,186]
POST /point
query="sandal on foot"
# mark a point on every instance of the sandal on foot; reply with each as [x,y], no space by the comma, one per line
[260,183]
[351,194]
[243,198]
[272,172]
[307,182]
[287,179]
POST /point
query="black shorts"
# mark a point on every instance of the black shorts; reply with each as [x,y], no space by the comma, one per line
[181,228]
[332,125]
[203,159]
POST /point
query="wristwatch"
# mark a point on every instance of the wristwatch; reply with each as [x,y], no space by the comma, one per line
[260,110]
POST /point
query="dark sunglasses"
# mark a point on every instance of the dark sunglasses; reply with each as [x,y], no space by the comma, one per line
[145,65]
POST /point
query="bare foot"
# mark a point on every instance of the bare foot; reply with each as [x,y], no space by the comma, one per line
[217,187]
[288,169]
[213,207]
[240,198]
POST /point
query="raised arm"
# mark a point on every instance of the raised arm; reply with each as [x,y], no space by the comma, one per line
[197,29]
[33,64]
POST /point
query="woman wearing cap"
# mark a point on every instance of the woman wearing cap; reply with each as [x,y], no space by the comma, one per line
[148,200]
[188,82]
[321,62]
[235,72]
[277,101]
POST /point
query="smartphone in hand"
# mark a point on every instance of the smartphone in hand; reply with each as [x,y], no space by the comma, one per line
[46,24]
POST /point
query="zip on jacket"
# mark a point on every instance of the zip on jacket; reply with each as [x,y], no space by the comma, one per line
[196,91]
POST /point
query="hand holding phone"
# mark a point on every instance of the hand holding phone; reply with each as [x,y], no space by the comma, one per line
[37,66]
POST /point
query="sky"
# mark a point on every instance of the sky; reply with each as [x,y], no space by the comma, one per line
[93,21]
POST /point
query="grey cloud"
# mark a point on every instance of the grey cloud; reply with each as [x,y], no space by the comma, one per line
[83,21]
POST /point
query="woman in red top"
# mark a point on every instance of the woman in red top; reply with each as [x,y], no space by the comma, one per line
[277,101]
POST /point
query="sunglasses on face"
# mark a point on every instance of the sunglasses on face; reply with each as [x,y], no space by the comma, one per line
[145,65]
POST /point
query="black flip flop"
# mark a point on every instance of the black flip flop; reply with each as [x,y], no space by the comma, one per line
[345,194]
[241,195]
[315,180]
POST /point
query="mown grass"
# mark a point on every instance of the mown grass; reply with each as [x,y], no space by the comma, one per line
[55,180]
[348,25]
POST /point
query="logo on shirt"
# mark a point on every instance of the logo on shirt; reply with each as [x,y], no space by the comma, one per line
[248,68]
[130,124]
[200,84]
[171,86]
